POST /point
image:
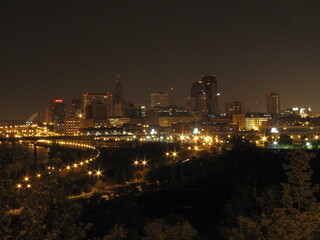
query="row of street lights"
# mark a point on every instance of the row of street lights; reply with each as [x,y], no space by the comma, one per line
[141,163]
[97,173]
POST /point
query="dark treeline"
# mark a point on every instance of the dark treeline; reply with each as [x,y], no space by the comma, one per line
[210,192]
[118,166]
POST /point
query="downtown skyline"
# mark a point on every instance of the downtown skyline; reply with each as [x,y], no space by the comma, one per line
[59,50]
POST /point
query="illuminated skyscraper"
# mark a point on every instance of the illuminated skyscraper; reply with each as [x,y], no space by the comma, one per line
[56,112]
[207,86]
[273,103]
[117,94]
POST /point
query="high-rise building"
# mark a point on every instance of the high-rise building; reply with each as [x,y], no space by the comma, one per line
[118,94]
[125,109]
[160,99]
[201,105]
[235,107]
[76,105]
[56,112]
[273,103]
[97,106]
[206,86]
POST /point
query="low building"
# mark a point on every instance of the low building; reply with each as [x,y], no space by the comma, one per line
[72,126]
[239,119]
[168,121]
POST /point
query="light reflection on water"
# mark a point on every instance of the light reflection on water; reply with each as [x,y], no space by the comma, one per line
[42,154]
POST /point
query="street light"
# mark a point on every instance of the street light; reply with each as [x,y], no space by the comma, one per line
[98,173]
[144,163]
[136,162]
[174,155]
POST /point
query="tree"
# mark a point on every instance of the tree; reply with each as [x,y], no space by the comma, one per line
[159,230]
[47,213]
[100,185]
[285,140]
[12,161]
[118,232]
[296,215]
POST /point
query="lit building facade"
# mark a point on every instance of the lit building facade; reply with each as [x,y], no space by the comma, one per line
[235,107]
[254,123]
[16,131]
[72,126]
[170,120]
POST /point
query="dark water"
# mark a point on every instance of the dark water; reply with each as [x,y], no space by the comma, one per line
[40,155]
[28,147]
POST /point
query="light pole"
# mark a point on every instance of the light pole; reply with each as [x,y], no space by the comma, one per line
[144,163]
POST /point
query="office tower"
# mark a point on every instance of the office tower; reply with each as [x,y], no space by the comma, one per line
[273,103]
[201,105]
[235,107]
[206,86]
[125,109]
[72,126]
[56,112]
[160,99]
[76,105]
[97,106]
[117,94]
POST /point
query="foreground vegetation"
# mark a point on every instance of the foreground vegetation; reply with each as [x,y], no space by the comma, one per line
[243,193]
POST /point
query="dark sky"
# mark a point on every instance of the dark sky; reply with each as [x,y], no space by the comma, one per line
[61,49]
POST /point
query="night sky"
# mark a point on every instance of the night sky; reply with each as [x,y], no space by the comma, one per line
[61,49]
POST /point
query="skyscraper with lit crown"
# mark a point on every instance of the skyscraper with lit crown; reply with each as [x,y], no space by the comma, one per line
[55,112]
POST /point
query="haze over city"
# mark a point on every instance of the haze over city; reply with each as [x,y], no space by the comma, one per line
[61,49]
[159,120]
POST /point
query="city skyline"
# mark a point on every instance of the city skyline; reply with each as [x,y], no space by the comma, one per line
[159,119]
[59,50]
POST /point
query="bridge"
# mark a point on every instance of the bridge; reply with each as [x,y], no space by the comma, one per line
[76,138]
